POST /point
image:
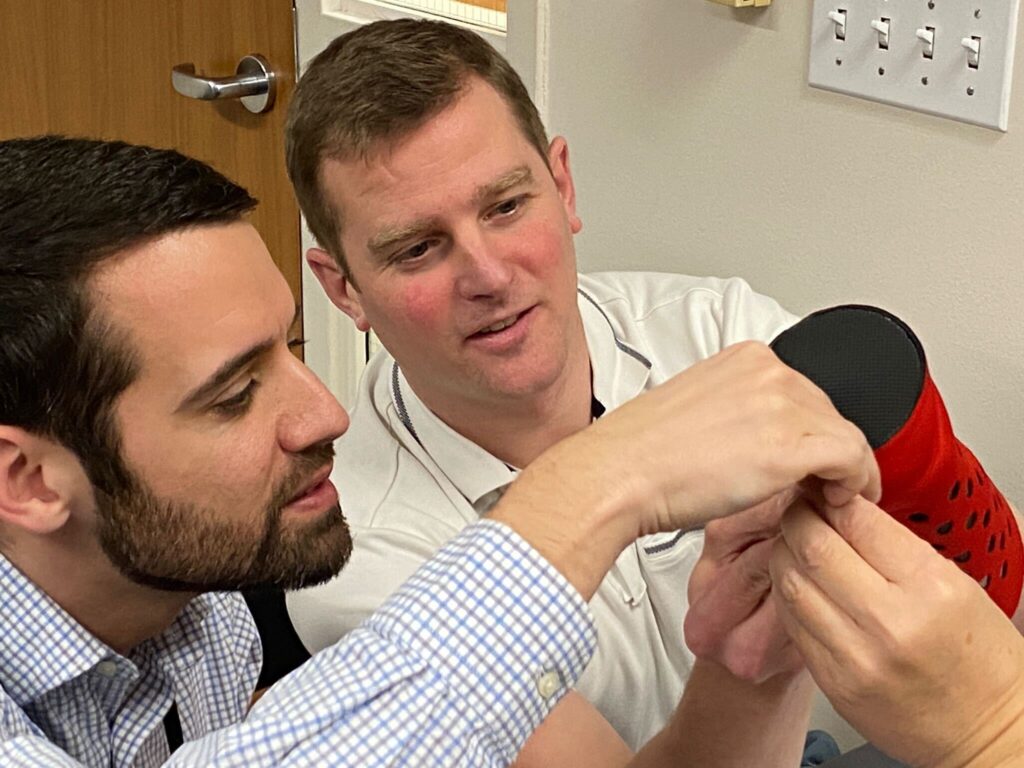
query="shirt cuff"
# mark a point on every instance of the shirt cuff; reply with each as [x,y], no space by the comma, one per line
[500,624]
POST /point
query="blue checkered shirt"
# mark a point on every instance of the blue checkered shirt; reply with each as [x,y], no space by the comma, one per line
[66,698]
[457,668]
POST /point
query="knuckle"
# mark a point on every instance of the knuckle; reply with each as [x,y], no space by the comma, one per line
[715,531]
[872,677]
[700,645]
[816,551]
[773,440]
[751,348]
[746,667]
[757,579]
[851,527]
[698,639]
[857,678]
[946,583]
[789,586]
[859,447]
[775,401]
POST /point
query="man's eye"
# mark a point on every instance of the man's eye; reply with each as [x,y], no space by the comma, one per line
[415,252]
[238,404]
[297,343]
[507,207]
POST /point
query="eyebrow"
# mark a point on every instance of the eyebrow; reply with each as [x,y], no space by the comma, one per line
[385,240]
[230,369]
[381,243]
[501,185]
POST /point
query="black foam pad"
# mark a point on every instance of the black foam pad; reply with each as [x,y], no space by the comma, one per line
[866,360]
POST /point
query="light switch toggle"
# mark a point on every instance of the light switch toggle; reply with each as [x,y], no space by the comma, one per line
[882,27]
[973,46]
[839,18]
[927,36]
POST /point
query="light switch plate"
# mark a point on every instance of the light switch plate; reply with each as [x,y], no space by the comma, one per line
[900,75]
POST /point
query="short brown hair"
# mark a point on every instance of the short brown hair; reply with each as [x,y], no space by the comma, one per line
[377,84]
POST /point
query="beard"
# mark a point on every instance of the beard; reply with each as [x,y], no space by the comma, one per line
[177,546]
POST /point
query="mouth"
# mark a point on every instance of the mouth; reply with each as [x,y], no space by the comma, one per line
[498,326]
[315,490]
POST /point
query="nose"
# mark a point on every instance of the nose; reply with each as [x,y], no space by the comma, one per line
[313,415]
[484,271]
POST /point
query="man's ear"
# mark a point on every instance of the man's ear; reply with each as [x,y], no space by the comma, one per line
[38,480]
[337,286]
[558,161]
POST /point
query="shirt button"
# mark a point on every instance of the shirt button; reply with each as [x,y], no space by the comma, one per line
[107,668]
[548,683]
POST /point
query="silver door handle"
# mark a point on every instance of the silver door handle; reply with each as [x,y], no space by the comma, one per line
[254,83]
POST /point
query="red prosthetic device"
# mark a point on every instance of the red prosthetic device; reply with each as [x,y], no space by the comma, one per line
[873,368]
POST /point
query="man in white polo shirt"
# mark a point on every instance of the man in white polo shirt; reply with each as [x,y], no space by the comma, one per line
[448,223]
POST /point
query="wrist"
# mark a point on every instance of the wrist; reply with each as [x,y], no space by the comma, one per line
[997,743]
[725,721]
[574,511]
[1004,749]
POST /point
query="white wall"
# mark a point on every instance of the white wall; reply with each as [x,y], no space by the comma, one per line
[698,147]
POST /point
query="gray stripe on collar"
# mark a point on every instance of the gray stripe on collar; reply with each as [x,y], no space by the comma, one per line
[618,342]
[403,412]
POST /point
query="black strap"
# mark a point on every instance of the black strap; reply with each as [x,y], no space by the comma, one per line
[172,727]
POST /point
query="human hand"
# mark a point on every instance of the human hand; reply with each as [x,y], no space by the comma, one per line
[732,621]
[908,648]
[726,434]
[722,436]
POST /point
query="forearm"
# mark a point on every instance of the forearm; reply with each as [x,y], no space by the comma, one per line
[596,513]
[575,733]
[725,722]
[428,673]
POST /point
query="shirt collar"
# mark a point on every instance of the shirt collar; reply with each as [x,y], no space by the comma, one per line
[181,645]
[619,373]
[471,469]
[42,647]
[619,370]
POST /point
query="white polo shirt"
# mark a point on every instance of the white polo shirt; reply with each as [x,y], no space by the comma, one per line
[408,483]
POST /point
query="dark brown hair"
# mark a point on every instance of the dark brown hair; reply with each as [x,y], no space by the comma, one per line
[67,205]
[377,84]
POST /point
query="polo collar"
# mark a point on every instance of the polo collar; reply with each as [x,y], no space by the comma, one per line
[471,469]
[619,371]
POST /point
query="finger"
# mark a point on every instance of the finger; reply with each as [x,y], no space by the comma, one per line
[737,591]
[866,483]
[839,454]
[821,661]
[735,533]
[760,646]
[881,542]
[838,572]
[822,630]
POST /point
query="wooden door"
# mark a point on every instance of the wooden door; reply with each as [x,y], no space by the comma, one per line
[102,68]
